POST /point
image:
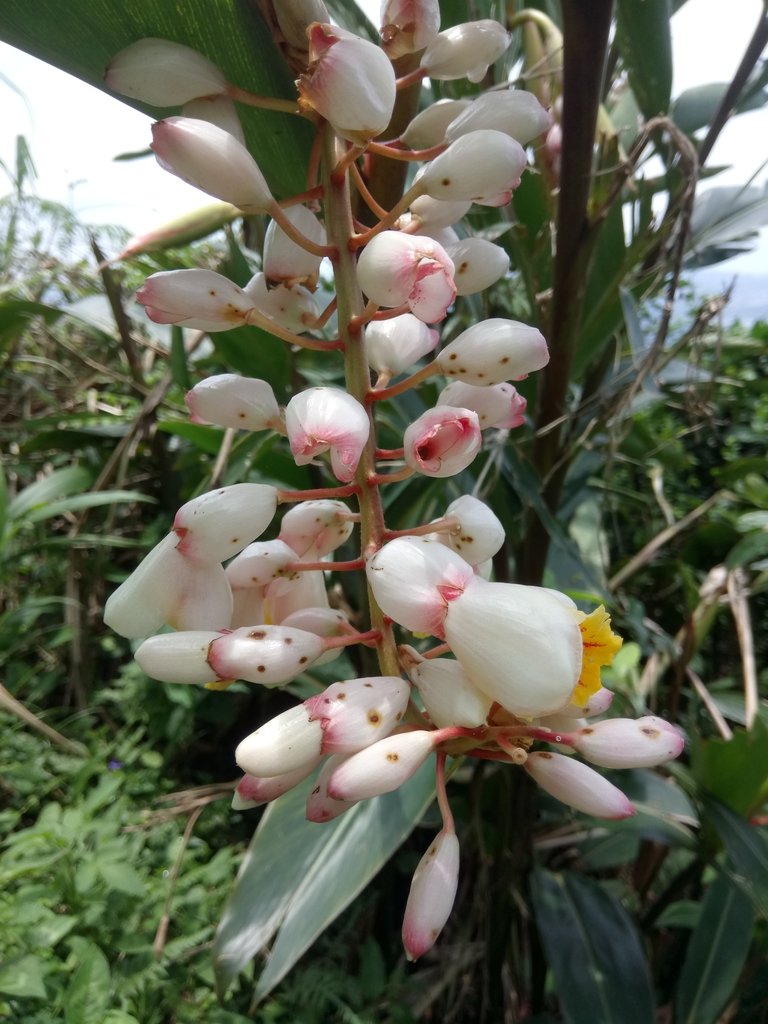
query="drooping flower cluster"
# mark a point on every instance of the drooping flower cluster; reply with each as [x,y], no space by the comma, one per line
[507,665]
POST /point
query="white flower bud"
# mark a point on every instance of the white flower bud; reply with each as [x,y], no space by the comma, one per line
[287,743]
[578,785]
[316,528]
[270,655]
[410,578]
[163,73]
[395,268]
[427,129]
[407,26]
[483,166]
[295,16]
[520,645]
[284,260]
[381,767]
[179,657]
[351,83]
[291,305]
[494,351]
[465,51]
[229,400]
[167,588]
[597,704]
[359,712]
[513,111]
[629,743]
[218,110]
[480,533]
[433,215]
[479,264]
[431,896]
[216,525]
[199,299]
[322,621]
[253,792]
[260,563]
[442,441]
[392,346]
[212,160]
[497,405]
[327,419]
[449,696]
[286,596]
[320,806]
[247,607]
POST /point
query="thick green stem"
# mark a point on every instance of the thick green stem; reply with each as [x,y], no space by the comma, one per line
[350,304]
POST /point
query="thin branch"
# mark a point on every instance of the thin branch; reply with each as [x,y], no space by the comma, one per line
[737,597]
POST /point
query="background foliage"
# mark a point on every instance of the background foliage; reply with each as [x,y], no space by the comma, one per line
[651,494]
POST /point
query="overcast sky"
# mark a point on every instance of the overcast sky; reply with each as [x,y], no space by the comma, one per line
[75,131]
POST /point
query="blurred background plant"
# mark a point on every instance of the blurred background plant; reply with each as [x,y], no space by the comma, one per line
[642,481]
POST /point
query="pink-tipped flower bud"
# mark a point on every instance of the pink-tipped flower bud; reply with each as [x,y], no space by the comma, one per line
[597,704]
[578,785]
[294,18]
[253,792]
[287,743]
[327,419]
[179,657]
[520,645]
[483,166]
[407,26]
[479,534]
[218,110]
[392,346]
[199,299]
[163,73]
[381,767]
[412,579]
[513,111]
[316,528]
[320,806]
[494,351]
[499,405]
[358,712]
[395,268]
[182,230]
[291,305]
[442,441]
[350,82]
[229,400]
[450,697]
[324,622]
[212,160]
[270,655]
[284,260]
[428,128]
[433,890]
[216,525]
[479,264]
[629,742]
[465,51]
[167,588]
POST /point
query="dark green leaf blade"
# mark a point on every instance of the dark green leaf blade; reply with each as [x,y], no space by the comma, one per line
[593,949]
[646,45]
[747,852]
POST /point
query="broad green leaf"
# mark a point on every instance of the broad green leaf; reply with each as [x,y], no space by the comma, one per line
[734,771]
[15,315]
[231,34]
[747,852]
[645,41]
[87,995]
[59,483]
[23,978]
[298,876]
[725,215]
[179,367]
[207,439]
[682,914]
[253,352]
[81,501]
[593,949]
[715,955]
[122,877]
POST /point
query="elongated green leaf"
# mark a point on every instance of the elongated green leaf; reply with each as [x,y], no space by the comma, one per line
[80,501]
[23,978]
[747,852]
[60,482]
[15,315]
[88,993]
[646,45]
[716,954]
[734,771]
[231,34]
[298,876]
[594,951]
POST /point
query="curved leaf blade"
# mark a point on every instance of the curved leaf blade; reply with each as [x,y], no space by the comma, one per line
[646,45]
